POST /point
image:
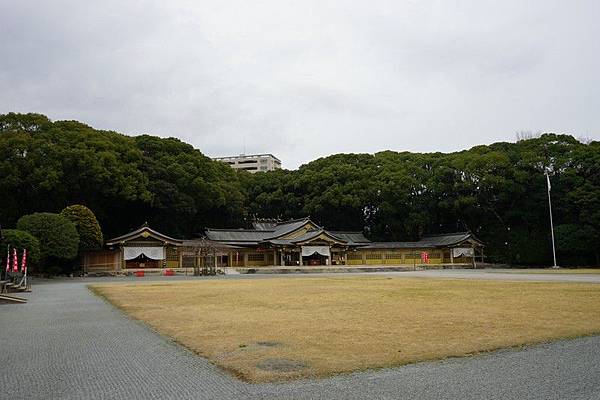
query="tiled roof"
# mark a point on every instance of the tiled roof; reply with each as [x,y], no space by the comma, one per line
[283,228]
[275,231]
[279,242]
[396,245]
[205,243]
[447,239]
[433,241]
[237,235]
[264,226]
[272,235]
[350,237]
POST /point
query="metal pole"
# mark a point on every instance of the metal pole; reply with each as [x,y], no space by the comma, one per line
[551,222]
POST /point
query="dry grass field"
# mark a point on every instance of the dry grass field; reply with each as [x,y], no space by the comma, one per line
[284,328]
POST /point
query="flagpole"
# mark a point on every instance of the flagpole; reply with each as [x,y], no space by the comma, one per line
[551,222]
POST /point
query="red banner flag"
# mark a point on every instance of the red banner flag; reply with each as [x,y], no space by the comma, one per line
[24,261]
[15,261]
[8,260]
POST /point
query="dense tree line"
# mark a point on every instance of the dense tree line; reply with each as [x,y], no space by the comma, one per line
[45,166]
[496,191]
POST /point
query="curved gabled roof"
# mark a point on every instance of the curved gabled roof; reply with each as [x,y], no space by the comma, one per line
[315,234]
[144,231]
[253,236]
[283,228]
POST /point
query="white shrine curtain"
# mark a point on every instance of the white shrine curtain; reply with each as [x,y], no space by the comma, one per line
[310,250]
[464,251]
[153,253]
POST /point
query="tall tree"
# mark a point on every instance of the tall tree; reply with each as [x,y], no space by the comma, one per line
[88,228]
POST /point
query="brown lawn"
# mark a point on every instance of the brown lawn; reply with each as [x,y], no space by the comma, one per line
[585,271]
[285,328]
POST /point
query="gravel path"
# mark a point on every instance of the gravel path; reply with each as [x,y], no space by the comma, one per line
[65,343]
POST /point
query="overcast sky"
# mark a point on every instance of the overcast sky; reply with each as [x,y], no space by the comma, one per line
[305,79]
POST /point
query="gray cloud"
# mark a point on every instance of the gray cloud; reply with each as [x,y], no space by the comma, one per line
[307,79]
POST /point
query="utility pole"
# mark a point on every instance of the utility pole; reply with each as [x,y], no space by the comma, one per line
[551,222]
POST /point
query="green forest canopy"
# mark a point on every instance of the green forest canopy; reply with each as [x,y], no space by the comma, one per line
[498,191]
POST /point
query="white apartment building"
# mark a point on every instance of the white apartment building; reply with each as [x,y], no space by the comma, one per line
[252,162]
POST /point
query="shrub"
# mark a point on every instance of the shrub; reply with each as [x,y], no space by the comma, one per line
[88,228]
[21,240]
[57,235]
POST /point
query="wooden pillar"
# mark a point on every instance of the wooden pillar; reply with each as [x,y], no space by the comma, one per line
[281,258]
[118,260]
[122,258]
[451,256]
[180,257]
[364,258]
[245,259]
